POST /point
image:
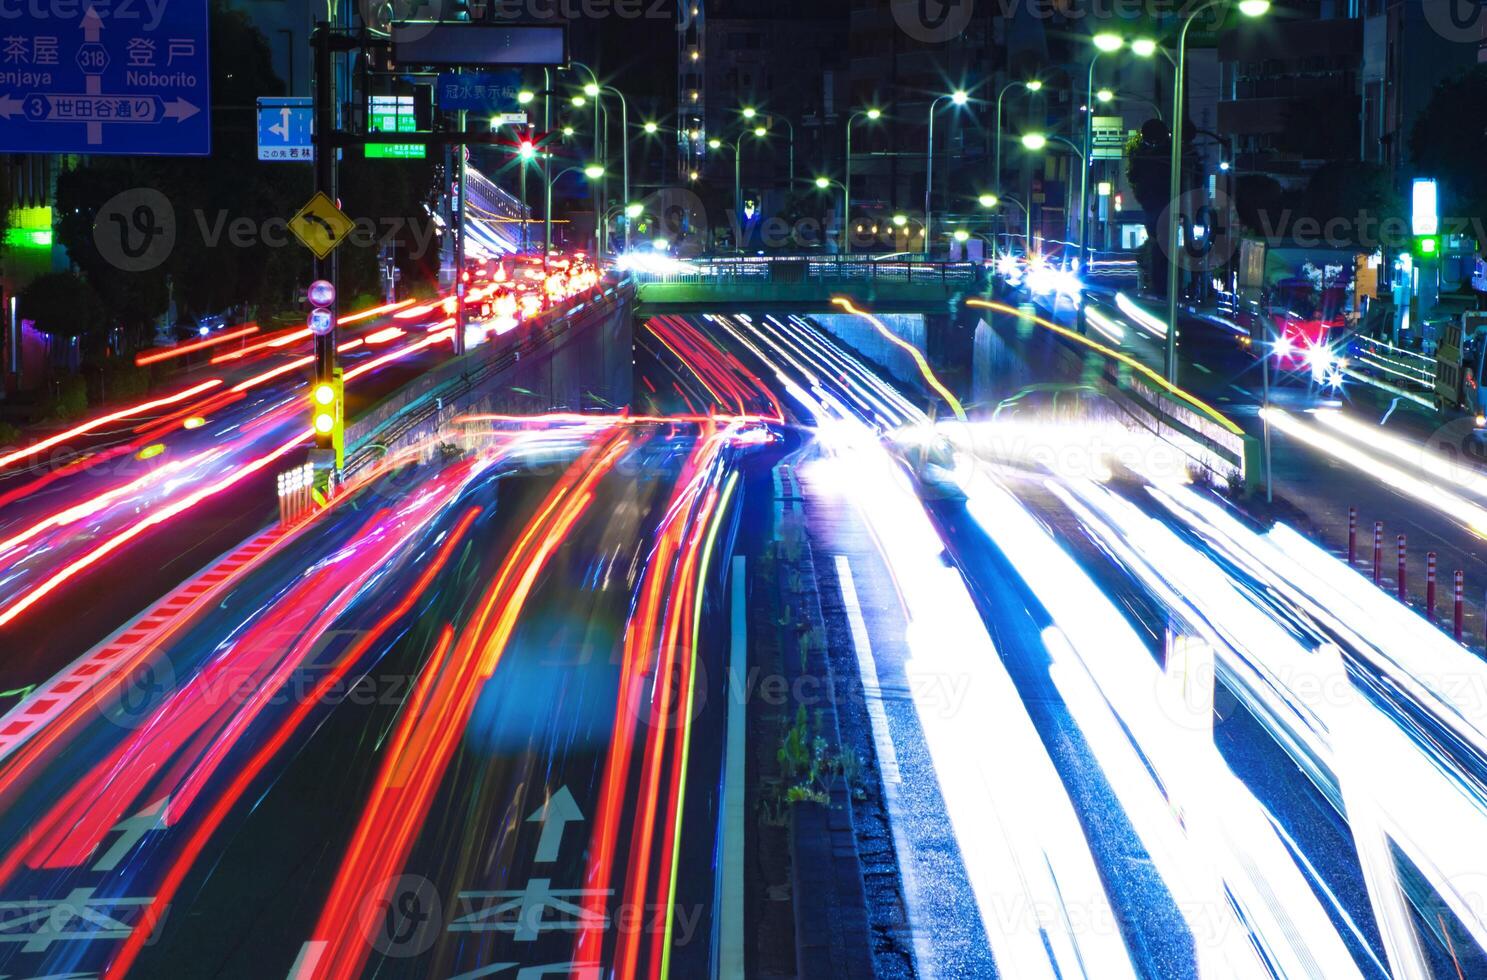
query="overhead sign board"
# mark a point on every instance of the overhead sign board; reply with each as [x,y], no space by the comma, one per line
[111,78]
[1108,137]
[285,126]
[457,44]
[486,92]
[393,114]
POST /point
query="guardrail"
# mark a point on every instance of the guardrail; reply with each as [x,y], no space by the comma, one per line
[1397,365]
[390,420]
[808,268]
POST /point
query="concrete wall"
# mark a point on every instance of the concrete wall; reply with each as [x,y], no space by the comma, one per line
[574,358]
[860,335]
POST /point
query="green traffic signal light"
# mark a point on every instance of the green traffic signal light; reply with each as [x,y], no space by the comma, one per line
[1427,246]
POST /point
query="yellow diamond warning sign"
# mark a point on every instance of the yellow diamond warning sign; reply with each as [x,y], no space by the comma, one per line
[321,225]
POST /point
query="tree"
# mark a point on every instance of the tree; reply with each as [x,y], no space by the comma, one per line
[205,194]
[64,304]
[1449,143]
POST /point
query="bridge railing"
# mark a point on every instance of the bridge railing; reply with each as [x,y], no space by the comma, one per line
[799,269]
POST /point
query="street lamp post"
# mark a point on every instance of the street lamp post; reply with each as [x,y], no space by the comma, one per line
[715,144]
[1250,8]
[593,172]
[1032,85]
[749,112]
[958,97]
[825,183]
[873,115]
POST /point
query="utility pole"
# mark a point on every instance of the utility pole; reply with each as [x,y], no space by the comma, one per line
[326,268]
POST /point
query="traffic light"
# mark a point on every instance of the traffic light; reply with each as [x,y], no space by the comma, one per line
[328,416]
[1428,246]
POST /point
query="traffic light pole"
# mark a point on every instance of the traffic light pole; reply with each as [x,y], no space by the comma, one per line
[325,182]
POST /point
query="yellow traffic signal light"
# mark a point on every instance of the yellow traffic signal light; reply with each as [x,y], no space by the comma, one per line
[327,415]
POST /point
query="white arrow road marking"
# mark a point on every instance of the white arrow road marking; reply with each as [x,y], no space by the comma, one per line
[131,831]
[554,815]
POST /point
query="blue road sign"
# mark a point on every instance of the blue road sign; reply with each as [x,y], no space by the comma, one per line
[478,91]
[111,78]
[284,129]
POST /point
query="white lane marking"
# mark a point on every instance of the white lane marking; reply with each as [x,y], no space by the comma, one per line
[731,913]
[308,959]
[872,692]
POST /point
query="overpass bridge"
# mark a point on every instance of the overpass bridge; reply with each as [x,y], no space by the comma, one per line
[803,283]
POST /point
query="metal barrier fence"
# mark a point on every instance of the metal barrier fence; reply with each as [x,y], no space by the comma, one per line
[813,268]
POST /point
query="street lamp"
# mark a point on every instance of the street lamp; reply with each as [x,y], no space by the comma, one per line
[650,127]
[525,96]
[872,114]
[1105,43]
[1034,141]
[1033,85]
[1250,8]
[987,201]
[750,112]
[1104,95]
[824,183]
[591,90]
[593,172]
[717,144]
[959,98]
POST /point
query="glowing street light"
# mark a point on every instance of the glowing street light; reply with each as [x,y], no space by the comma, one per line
[567,130]
[1033,85]
[1034,141]
[1250,8]
[634,209]
[873,114]
[593,171]
[650,126]
[823,182]
[591,89]
[958,98]
[1108,42]
[579,101]
[749,112]
[760,131]
[1104,95]
[899,220]
[987,201]
[525,96]
[961,235]
[1143,47]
